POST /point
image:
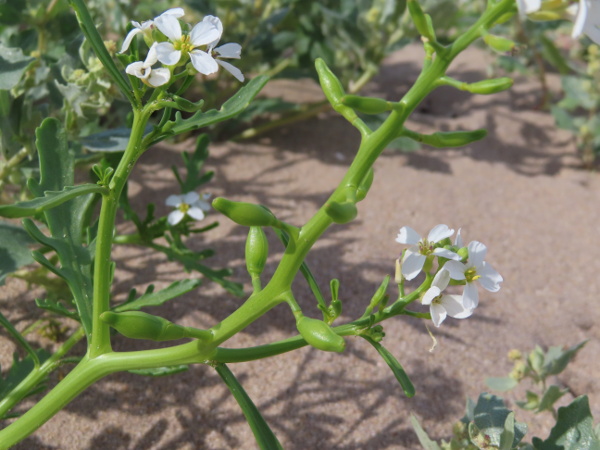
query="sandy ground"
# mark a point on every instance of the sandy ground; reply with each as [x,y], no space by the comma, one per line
[520,191]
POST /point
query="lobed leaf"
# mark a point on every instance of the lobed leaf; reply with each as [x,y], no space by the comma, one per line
[14,249]
[158,298]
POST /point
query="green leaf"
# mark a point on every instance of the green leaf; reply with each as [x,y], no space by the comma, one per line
[532,402]
[230,108]
[161,371]
[158,298]
[563,118]
[67,222]
[49,200]
[109,141]
[501,384]
[573,429]
[397,369]
[13,64]
[489,417]
[265,437]
[57,308]
[508,434]
[424,439]
[14,249]
[553,54]
[552,394]
[556,359]
[19,338]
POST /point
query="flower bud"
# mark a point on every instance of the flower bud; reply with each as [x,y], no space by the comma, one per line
[331,85]
[140,325]
[367,105]
[257,250]
[421,20]
[490,86]
[365,185]
[498,43]
[320,335]
[341,212]
[247,214]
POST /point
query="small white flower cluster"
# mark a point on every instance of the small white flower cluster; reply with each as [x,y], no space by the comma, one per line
[189,205]
[585,13]
[178,46]
[464,270]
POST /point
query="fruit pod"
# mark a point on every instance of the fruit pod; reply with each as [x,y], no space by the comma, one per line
[498,43]
[341,212]
[247,214]
[320,335]
[140,325]
[367,105]
[486,87]
[257,250]
[331,85]
[365,185]
[452,138]
[421,20]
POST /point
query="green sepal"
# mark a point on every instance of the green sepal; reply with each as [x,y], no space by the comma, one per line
[498,43]
[247,214]
[341,212]
[366,105]
[320,335]
[446,139]
[257,251]
[49,200]
[392,362]
[141,325]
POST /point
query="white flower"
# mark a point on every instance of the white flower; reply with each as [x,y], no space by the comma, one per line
[528,6]
[144,71]
[474,269]
[415,256]
[587,20]
[203,33]
[187,204]
[146,27]
[441,305]
[230,50]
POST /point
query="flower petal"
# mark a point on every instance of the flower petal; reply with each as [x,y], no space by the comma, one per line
[129,38]
[456,270]
[441,279]
[445,253]
[458,240]
[203,62]
[177,12]
[191,197]
[174,200]
[490,279]
[218,25]
[137,69]
[477,253]
[439,232]
[412,264]
[166,53]
[175,217]
[453,305]
[195,213]
[169,26]
[237,73]
[204,206]
[159,76]
[231,50]
[408,236]
[204,33]
[431,293]
[470,298]
[438,314]
[580,20]
[152,56]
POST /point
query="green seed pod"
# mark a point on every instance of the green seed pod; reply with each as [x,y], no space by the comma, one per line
[140,325]
[490,86]
[247,214]
[498,43]
[341,212]
[320,335]
[367,105]
[331,85]
[365,185]
[379,293]
[421,20]
[257,250]
[452,138]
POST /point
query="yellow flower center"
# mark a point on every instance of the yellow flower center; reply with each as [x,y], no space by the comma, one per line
[471,274]
[425,247]
[184,208]
[184,44]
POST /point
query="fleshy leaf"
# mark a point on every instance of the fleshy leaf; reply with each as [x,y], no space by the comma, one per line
[265,437]
[14,249]
[424,439]
[556,359]
[13,64]
[573,429]
[158,298]
[552,394]
[49,200]
[501,384]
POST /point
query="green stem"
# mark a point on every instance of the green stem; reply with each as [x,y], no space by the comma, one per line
[100,336]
